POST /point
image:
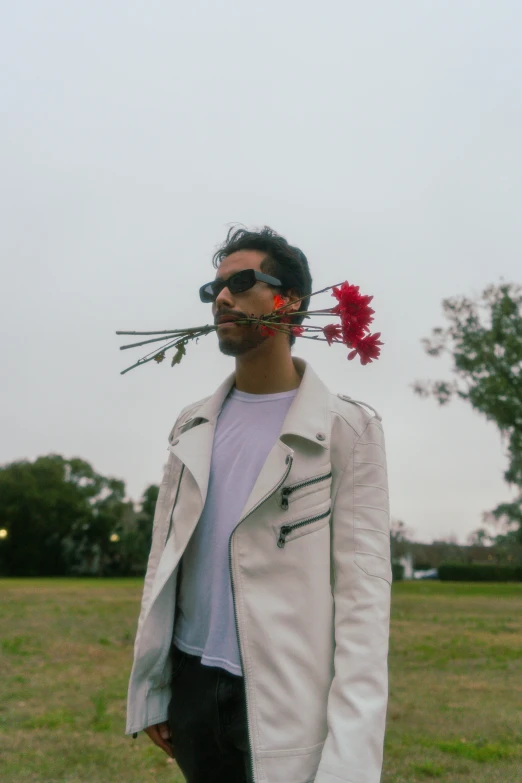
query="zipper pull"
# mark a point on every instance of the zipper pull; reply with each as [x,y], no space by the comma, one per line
[282,536]
[284,498]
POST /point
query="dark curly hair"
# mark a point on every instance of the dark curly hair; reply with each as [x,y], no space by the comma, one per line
[287,263]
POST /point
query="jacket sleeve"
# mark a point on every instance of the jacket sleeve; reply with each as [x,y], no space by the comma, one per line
[357,701]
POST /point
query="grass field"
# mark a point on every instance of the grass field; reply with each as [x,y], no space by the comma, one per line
[455,709]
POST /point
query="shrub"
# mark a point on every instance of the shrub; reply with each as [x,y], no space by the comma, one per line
[462,572]
[397,571]
[422,566]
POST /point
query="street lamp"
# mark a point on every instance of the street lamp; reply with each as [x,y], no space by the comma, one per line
[3,533]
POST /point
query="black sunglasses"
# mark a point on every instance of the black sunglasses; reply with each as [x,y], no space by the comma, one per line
[236,284]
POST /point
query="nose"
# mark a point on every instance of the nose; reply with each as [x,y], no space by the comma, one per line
[223,300]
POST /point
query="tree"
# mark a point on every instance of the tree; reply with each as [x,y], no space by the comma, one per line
[92,547]
[39,502]
[136,534]
[480,537]
[145,520]
[484,338]
[400,538]
[148,506]
[58,516]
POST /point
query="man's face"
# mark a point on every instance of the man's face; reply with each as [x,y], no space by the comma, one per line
[236,339]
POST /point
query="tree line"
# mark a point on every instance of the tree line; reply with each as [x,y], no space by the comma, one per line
[58,517]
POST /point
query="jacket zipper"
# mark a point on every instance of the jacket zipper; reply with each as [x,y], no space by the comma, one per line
[289,460]
[288,490]
[286,529]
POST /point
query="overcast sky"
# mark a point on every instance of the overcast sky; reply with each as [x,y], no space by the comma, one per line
[381,138]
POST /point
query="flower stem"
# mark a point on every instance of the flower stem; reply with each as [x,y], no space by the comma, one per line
[146,342]
[168,332]
[177,337]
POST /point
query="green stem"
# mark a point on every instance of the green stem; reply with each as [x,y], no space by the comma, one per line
[150,356]
[186,335]
[145,342]
[146,359]
[174,331]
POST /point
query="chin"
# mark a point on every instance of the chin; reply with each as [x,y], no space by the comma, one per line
[239,347]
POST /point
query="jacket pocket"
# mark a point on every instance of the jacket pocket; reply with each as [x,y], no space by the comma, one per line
[302,488]
[290,531]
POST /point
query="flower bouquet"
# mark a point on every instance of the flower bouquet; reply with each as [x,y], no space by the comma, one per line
[352,329]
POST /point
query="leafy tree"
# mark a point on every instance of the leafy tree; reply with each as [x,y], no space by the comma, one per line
[39,504]
[145,520]
[484,338]
[135,535]
[400,538]
[89,546]
[59,515]
[148,506]
[480,537]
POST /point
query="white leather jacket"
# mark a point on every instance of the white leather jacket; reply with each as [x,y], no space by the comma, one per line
[310,570]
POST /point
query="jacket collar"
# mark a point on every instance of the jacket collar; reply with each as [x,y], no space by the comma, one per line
[308,416]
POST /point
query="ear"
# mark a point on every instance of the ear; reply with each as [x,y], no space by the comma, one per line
[292,295]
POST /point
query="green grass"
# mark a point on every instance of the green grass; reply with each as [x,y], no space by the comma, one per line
[455,707]
[454,715]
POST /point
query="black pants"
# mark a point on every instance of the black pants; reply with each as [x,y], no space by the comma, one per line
[208,722]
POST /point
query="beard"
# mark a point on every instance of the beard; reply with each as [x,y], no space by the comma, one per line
[237,347]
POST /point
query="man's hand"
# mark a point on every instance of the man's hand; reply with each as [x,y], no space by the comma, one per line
[160,735]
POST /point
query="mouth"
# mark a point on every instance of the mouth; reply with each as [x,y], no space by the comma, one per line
[226,320]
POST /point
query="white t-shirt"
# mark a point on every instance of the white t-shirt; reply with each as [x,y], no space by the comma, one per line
[246,430]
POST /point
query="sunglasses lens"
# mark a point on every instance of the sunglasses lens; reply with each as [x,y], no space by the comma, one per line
[236,284]
[207,293]
[241,281]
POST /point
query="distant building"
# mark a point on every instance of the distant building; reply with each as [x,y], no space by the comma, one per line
[406,561]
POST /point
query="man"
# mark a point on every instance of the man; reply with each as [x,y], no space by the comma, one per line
[261,650]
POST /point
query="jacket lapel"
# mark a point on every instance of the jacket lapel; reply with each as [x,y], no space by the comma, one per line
[193,446]
[272,473]
[194,449]
[308,417]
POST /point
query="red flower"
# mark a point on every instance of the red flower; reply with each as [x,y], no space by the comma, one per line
[266,331]
[352,331]
[297,330]
[278,302]
[354,312]
[367,348]
[333,333]
[353,306]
